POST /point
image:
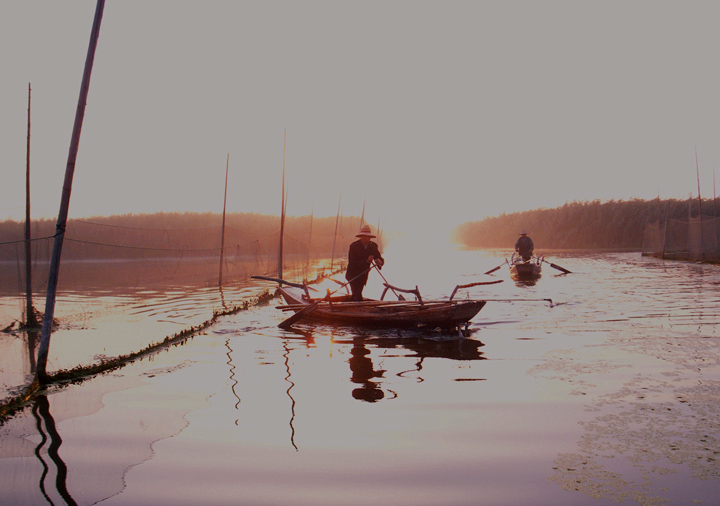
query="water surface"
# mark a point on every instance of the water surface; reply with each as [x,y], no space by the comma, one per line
[606,395]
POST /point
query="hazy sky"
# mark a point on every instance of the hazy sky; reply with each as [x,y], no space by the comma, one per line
[433,113]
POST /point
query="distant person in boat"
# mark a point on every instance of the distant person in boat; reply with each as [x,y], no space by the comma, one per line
[360,257]
[524,246]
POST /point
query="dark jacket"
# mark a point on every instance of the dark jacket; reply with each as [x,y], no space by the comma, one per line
[524,246]
[358,258]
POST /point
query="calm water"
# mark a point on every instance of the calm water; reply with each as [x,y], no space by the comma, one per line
[606,395]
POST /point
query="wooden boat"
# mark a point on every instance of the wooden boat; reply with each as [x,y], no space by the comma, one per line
[525,270]
[529,270]
[447,315]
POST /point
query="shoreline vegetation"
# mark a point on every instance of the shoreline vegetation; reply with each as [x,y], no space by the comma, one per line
[155,235]
[170,248]
[612,225]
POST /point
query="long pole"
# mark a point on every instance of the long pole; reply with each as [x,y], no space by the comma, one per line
[337,219]
[312,214]
[362,216]
[282,213]
[697,168]
[222,232]
[667,218]
[30,318]
[714,196]
[715,224]
[65,200]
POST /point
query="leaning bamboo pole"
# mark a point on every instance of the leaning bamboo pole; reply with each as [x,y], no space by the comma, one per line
[30,317]
[61,225]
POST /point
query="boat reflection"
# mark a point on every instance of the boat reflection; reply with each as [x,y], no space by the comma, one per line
[424,344]
[453,349]
[363,371]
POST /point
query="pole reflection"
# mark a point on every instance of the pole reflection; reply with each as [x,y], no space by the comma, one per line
[233,380]
[43,418]
[33,339]
[286,356]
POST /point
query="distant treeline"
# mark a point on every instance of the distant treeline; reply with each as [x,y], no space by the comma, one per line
[187,234]
[580,225]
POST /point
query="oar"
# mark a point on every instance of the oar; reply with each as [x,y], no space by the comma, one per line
[557,267]
[521,300]
[496,268]
[312,307]
[297,316]
[281,281]
[470,285]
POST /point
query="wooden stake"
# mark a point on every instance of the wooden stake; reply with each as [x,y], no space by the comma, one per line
[337,219]
[65,200]
[282,212]
[30,317]
[715,226]
[222,232]
[312,214]
[697,167]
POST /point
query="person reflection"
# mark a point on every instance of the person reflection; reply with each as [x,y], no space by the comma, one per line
[363,372]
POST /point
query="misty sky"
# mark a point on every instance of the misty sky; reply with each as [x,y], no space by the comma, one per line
[432,113]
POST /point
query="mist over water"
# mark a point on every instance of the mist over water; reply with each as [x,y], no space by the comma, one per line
[598,387]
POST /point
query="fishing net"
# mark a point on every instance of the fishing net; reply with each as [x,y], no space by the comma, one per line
[697,238]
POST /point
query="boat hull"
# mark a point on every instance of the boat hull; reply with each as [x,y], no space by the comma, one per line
[386,314]
[525,270]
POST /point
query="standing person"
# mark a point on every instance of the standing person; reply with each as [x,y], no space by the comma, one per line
[360,257]
[524,246]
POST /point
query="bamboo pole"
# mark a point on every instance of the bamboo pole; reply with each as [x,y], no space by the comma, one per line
[714,196]
[715,224]
[30,317]
[667,218]
[65,200]
[312,215]
[222,232]
[282,212]
[697,168]
[337,219]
